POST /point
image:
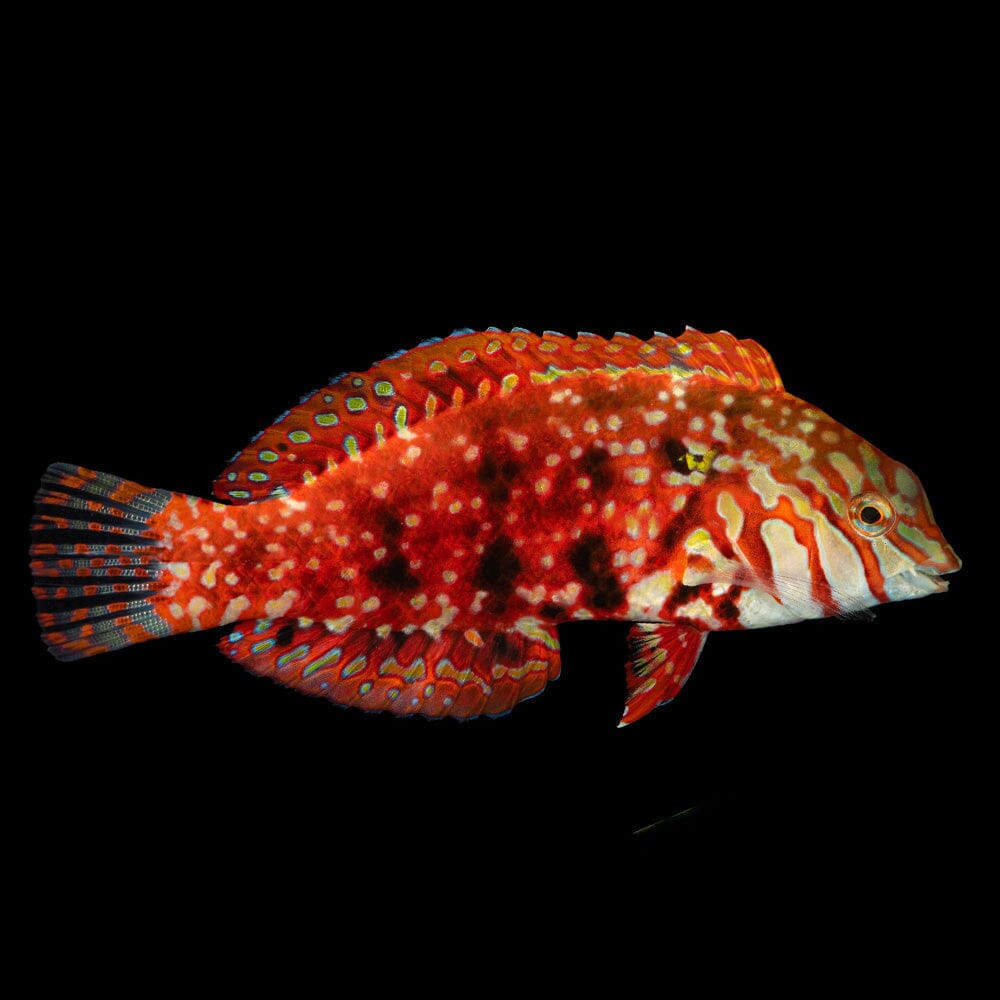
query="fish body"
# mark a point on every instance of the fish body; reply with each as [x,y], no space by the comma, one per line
[409,538]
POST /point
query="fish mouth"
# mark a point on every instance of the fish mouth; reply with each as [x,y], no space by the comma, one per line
[933,577]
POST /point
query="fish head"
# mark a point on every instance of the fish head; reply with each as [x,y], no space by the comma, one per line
[890,515]
[833,525]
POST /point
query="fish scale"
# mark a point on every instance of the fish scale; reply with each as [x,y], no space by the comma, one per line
[407,539]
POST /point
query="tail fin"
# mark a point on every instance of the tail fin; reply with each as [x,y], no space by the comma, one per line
[97,577]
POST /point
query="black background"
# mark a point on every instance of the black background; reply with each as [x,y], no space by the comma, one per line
[185,284]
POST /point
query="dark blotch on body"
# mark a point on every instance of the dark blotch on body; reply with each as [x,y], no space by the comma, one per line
[591,560]
[285,634]
[394,574]
[676,453]
[506,649]
[391,524]
[727,611]
[497,572]
[496,477]
[597,465]
[672,535]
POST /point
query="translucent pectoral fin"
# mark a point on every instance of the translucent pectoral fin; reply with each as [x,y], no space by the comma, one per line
[459,674]
[661,659]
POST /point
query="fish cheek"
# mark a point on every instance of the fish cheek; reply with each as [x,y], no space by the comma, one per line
[497,573]
[592,562]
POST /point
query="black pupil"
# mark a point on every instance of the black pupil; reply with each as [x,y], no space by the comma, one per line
[871,515]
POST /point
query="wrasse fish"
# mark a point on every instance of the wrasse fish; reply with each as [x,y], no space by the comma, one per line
[408,539]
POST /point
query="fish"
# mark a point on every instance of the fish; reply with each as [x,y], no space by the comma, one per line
[409,539]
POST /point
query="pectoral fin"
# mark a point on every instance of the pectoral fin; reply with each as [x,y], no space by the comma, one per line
[662,658]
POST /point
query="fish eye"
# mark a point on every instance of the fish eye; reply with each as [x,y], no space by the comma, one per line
[871,515]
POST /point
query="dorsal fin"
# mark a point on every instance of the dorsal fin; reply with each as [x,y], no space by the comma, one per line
[360,411]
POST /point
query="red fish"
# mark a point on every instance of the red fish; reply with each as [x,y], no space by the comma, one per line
[408,539]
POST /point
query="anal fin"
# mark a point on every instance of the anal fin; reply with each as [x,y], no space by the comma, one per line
[458,674]
[661,659]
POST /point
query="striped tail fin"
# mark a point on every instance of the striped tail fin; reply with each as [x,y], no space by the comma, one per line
[97,571]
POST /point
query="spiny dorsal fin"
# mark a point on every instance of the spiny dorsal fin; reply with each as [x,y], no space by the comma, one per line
[360,411]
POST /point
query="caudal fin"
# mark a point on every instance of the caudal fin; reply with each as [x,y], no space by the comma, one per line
[96,566]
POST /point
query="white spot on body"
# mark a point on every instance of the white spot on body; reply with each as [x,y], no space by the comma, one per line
[277,572]
[280,606]
[234,609]
[719,432]
[732,515]
[699,610]
[339,626]
[195,607]
[533,596]
[646,596]
[436,626]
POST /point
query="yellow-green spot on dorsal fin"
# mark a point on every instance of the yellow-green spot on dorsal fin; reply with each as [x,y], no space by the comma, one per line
[359,411]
